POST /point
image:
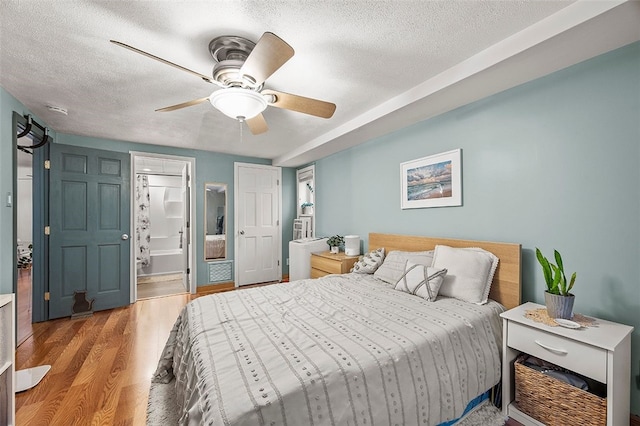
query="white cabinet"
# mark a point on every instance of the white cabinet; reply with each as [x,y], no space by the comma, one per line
[601,352]
[7,360]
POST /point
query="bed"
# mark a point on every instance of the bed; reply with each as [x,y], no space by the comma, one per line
[343,349]
[214,246]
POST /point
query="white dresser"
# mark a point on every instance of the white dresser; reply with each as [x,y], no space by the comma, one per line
[601,352]
[7,359]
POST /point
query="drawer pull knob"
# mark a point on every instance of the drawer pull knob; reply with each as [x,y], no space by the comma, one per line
[549,348]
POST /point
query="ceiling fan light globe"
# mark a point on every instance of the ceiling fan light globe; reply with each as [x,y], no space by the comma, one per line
[238,103]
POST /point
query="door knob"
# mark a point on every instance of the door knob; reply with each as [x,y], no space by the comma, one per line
[124,237]
[241,232]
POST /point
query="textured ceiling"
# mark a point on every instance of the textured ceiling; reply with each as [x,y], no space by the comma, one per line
[385,64]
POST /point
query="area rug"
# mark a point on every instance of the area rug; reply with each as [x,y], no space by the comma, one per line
[162,409]
[485,414]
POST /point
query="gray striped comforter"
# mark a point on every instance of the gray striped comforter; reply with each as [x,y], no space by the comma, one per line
[340,350]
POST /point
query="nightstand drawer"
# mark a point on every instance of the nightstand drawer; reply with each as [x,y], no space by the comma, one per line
[317,273]
[330,266]
[570,354]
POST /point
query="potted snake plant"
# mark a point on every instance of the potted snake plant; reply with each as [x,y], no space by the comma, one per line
[558,297]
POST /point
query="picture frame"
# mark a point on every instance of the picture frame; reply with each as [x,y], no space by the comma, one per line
[433,181]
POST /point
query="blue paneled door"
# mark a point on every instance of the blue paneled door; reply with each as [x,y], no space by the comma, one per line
[89,218]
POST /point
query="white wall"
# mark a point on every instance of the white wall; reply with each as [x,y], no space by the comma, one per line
[166,207]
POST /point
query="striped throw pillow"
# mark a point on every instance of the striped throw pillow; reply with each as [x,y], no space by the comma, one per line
[423,281]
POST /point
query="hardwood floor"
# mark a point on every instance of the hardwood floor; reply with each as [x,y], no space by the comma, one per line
[101,366]
[160,286]
[24,329]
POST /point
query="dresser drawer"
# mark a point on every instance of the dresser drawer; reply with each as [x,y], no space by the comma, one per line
[570,354]
[330,266]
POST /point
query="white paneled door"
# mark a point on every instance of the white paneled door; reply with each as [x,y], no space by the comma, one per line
[257,223]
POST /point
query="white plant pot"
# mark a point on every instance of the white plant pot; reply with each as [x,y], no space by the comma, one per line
[307,210]
[335,249]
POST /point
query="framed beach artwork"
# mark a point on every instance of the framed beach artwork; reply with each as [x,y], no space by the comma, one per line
[434,181]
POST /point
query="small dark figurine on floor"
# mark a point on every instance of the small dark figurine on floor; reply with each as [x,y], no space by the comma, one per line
[81,305]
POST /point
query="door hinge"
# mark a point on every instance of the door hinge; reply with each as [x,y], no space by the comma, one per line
[188,224]
[47,295]
[277,182]
[47,164]
[278,263]
[188,270]
[278,222]
[47,230]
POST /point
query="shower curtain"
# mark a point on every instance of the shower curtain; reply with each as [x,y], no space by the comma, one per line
[143,228]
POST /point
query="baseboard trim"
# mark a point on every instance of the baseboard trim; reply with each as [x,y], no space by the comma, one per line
[215,288]
[635,420]
[226,286]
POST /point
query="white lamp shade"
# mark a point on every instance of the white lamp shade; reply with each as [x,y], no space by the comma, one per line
[352,245]
[238,103]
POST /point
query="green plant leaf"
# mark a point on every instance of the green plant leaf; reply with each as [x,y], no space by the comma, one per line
[336,240]
[546,268]
[572,282]
[563,283]
[557,280]
[556,254]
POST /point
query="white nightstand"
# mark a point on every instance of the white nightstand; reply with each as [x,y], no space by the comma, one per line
[601,352]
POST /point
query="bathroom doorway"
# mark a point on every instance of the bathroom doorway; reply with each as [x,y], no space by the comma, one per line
[161,231]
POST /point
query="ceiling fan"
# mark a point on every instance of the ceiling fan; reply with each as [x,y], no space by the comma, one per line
[240,71]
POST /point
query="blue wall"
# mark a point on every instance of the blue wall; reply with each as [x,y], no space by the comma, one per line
[210,167]
[554,163]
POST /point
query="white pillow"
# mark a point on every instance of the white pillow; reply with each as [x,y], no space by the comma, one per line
[394,263]
[421,280]
[368,263]
[469,272]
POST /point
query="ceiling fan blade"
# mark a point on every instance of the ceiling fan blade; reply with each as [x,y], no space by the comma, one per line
[182,105]
[164,61]
[301,104]
[270,53]
[257,124]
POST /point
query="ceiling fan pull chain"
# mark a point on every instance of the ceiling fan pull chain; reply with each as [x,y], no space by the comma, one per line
[240,124]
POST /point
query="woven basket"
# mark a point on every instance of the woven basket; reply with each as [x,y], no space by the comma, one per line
[556,403]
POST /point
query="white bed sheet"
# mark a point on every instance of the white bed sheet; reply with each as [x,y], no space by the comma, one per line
[340,350]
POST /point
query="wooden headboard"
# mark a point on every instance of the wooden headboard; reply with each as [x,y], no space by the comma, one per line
[507,284]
